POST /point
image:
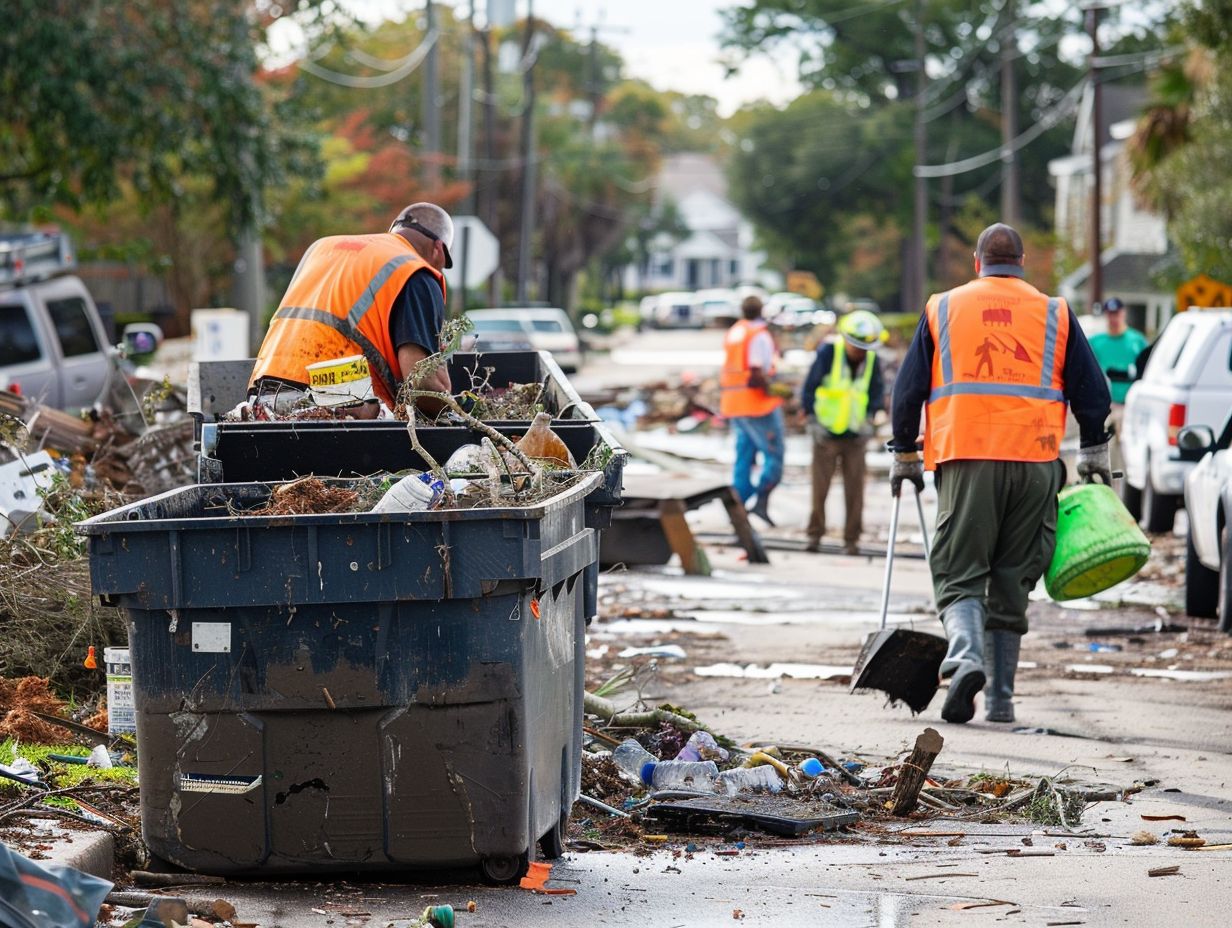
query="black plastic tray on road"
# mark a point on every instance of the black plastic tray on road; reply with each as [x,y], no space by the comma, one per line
[776,814]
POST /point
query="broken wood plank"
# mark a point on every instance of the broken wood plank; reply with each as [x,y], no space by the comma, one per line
[913,772]
[1164,871]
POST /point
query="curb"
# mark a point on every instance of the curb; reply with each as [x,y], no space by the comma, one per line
[91,852]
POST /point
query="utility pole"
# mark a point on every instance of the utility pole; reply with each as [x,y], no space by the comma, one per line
[487,208]
[465,95]
[1097,195]
[249,267]
[916,294]
[431,112]
[527,230]
[1009,117]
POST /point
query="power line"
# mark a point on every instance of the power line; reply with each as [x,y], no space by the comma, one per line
[412,61]
[1060,110]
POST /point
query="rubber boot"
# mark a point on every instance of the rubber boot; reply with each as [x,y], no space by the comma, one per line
[1001,657]
[964,661]
[761,508]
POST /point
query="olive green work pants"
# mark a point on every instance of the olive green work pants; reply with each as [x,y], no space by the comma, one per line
[996,531]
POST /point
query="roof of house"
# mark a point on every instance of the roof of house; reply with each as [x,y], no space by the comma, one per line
[1124,272]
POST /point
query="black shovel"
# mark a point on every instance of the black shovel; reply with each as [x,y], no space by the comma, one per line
[904,664]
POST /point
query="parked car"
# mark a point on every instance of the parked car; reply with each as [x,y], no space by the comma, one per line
[547,328]
[720,308]
[53,344]
[1208,500]
[1187,379]
[498,335]
[677,310]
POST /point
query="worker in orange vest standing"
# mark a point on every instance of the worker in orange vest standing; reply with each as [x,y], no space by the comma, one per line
[994,363]
[382,296]
[756,416]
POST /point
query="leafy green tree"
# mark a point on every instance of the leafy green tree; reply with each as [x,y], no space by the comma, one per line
[147,93]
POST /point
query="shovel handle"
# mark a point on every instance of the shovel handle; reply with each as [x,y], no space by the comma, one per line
[889,569]
[919,507]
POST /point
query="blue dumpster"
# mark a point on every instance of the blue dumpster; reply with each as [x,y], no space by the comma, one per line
[356,691]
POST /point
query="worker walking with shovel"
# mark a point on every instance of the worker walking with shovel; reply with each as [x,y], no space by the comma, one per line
[993,428]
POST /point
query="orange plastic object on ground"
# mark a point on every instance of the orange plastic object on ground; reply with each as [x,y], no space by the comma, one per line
[537,875]
[91,662]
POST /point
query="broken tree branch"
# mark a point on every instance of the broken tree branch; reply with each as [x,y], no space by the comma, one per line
[913,772]
[606,710]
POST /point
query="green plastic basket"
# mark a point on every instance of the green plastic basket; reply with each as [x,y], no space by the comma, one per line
[1098,543]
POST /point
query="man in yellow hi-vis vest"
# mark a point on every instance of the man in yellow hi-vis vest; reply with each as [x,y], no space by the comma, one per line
[841,394]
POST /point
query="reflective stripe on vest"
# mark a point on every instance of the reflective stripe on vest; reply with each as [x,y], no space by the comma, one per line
[841,400]
[997,392]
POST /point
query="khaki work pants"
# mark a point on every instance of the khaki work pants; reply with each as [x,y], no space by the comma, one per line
[829,454]
[996,530]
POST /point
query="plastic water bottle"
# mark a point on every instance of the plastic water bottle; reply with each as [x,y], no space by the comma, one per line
[747,779]
[681,774]
[702,746]
[631,757]
[413,493]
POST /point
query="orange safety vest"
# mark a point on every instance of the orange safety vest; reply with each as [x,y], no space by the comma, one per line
[997,378]
[338,304]
[736,397]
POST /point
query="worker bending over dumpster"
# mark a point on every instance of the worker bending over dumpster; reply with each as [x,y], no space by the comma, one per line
[994,361]
[380,295]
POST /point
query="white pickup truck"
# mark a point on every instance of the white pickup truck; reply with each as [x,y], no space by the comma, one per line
[53,345]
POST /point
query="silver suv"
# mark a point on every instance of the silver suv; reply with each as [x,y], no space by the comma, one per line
[53,345]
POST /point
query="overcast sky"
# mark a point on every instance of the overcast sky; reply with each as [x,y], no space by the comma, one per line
[672,44]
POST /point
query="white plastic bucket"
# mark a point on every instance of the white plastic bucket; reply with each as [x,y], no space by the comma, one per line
[121,711]
[340,381]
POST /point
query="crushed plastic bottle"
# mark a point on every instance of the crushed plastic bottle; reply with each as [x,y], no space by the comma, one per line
[413,493]
[631,757]
[681,774]
[747,779]
[541,442]
[702,746]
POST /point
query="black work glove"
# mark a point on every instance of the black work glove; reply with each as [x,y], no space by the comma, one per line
[1095,461]
[907,466]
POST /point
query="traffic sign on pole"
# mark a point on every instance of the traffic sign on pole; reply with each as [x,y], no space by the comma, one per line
[475,253]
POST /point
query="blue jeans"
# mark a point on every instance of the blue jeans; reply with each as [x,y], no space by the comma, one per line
[764,435]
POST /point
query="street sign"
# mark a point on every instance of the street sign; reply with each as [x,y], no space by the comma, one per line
[475,252]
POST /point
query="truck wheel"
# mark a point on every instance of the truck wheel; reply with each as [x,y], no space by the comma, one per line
[1201,584]
[1158,509]
[501,870]
[1131,496]
[1225,580]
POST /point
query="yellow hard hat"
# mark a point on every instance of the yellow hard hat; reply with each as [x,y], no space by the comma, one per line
[861,329]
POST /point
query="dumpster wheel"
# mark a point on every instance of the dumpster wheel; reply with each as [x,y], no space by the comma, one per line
[501,870]
[552,844]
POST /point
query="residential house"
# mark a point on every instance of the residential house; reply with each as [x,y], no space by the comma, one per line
[717,252]
[1135,246]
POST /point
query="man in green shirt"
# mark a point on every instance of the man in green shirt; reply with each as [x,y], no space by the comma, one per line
[1117,349]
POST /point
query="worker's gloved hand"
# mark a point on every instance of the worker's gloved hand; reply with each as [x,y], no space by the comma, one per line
[1095,461]
[907,466]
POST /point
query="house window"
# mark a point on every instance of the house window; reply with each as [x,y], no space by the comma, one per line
[734,267]
[665,267]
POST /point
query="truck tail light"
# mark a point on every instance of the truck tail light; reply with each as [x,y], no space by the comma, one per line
[1176,421]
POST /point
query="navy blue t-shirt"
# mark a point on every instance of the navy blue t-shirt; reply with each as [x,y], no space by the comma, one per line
[418,313]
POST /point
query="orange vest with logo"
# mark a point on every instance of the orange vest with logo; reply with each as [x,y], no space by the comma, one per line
[997,377]
[736,397]
[338,304]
